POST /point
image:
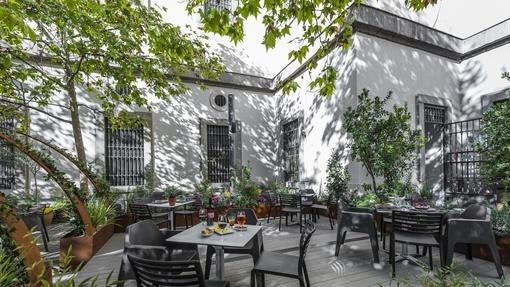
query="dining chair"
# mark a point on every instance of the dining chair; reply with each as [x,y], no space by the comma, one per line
[189,210]
[357,220]
[330,205]
[273,203]
[473,226]
[291,205]
[143,212]
[35,223]
[146,235]
[285,265]
[416,228]
[166,273]
[253,248]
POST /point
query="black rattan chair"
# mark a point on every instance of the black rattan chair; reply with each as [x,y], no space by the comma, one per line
[145,234]
[253,248]
[357,220]
[285,265]
[416,228]
[473,226]
[330,205]
[163,273]
[141,212]
[273,202]
[188,211]
[291,205]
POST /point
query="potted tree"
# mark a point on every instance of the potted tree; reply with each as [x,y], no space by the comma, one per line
[171,193]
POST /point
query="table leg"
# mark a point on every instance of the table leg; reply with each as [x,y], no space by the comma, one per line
[220,263]
[171,219]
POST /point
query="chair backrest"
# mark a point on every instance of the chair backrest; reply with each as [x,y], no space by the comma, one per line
[143,233]
[251,216]
[140,211]
[475,211]
[417,222]
[167,273]
[157,195]
[272,197]
[34,221]
[304,241]
[290,200]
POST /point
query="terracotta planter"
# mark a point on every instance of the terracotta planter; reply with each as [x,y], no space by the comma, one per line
[261,210]
[48,218]
[84,247]
[171,200]
[121,222]
[481,251]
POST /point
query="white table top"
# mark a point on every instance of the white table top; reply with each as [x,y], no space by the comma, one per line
[166,205]
[237,239]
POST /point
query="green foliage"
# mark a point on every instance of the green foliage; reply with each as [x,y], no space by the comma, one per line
[101,212]
[337,178]
[501,220]
[426,192]
[246,190]
[11,271]
[383,141]
[172,191]
[205,190]
[102,46]
[495,144]
[366,200]
[315,26]
[449,276]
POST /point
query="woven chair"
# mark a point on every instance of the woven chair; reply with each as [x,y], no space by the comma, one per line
[141,212]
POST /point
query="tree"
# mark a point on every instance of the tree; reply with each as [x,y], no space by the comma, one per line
[495,144]
[338,178]
[383,141]
[100,47]
[317,27]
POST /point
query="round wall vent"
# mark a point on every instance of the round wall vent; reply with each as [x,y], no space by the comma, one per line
[218,102]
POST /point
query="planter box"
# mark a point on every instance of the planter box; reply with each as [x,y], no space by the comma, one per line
[481,251]
[121,222]
[84,247]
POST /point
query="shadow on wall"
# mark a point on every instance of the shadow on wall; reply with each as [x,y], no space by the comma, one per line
[470,76]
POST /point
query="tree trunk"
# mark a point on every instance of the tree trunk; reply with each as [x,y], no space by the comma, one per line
[78,138]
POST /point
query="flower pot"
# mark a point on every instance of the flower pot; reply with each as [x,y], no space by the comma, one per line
[82,248]
[171,200]
[261,210]
[48,218]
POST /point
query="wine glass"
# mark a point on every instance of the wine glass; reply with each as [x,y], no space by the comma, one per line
[222,222]
[202,214]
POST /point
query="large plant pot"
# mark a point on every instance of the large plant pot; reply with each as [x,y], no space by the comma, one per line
[261,210]
[121,222]
[172,200]
[483,252]
[48,218]
[84,247]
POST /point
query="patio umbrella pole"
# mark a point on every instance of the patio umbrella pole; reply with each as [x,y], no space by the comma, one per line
[231,133]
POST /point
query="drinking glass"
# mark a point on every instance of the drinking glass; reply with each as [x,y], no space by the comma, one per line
[231,221]
[222,222]
[241,218]
[202,214]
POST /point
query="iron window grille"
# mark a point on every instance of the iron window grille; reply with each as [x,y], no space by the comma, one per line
[218,154]
[462,159]
[291,145]
[218,5]
[7,156]
[124,155]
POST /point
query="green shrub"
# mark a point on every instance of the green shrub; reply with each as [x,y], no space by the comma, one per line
[101,212]
[172,191]
[337,178]
[12,271]
[366,200]
[246,190]
[501,220]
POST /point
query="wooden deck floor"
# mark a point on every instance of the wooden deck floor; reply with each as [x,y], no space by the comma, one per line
[353,267]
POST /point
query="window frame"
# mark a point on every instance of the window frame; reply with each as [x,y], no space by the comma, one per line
[8,181]
[298,147]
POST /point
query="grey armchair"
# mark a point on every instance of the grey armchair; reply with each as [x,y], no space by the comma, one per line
[357,220]
[473,226]
[149,240]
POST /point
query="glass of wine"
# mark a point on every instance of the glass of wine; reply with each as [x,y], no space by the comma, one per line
[222,222]
[231,220]
[202,214]
[241,218]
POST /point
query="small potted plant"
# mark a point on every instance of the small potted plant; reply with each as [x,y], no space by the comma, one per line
[171,192]
[48,214]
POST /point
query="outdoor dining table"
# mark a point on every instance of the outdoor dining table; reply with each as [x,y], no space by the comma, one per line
[237,239]
[170,208]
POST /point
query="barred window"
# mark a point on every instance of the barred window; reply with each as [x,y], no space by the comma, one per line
[7,157]
[218,5]
[218,153]
[124,155]
[291,144]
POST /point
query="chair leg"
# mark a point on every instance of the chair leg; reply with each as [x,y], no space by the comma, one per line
[269,214]
[287,219]
[375,246]
[186,220]
[449,252]
[430,257]
[340,239]
[208,262]
[496,258]
[307,279]
[301,282]
[392,255]
[253,280]
[469,253]
[301,222]
[280,223]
